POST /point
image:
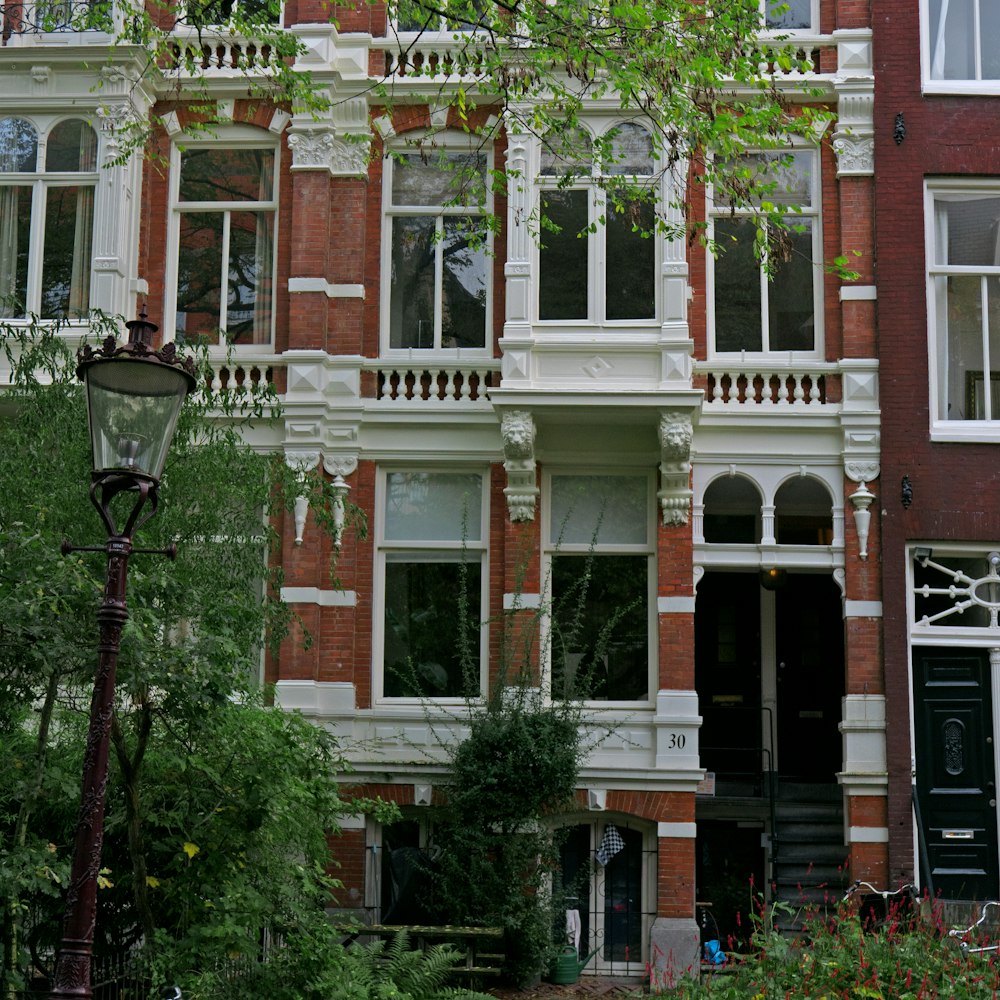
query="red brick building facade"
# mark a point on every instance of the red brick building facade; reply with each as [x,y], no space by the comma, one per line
[486,408]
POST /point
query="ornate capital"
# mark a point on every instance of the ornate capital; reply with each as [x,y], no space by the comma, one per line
[675,433]
[517,429]
[855,154]
[321,149]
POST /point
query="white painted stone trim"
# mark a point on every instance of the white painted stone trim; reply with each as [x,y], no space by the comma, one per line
[351,822]
[686,831]
[317,698]
[324,598]
[329,290]
[868,835]
[675,605]
[858,293]
[862,609]
[522,601]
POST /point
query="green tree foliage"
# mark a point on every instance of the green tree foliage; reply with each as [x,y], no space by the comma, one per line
[218,805]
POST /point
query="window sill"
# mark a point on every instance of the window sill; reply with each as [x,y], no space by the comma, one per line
[966,432]
[959,88]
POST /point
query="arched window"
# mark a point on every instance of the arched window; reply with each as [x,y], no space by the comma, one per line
[732,511]
[803,513]
[46,218]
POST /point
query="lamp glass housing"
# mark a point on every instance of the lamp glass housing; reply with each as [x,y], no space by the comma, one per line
[133,406]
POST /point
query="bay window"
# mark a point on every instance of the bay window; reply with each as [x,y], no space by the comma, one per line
[223,233]
[47,184]
[432,551]
[963,288]
[599,626]
[761,304]
[597,255]
[436,250]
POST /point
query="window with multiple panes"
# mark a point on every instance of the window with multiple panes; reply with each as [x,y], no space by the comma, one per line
[225,202]
[426,16]
[751,310]
[47,181]
[432,555]
[960,42]
[600,579]
[209,13]
[963,260]
[436,249]
[597,259]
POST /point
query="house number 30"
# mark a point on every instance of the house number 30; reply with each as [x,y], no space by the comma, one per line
[676,741]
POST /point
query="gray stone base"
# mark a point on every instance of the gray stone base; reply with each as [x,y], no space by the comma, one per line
[674,950]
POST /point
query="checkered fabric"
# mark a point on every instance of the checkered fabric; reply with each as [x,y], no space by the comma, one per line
[611,844]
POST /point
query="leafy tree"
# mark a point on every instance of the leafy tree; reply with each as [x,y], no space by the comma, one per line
[219,805]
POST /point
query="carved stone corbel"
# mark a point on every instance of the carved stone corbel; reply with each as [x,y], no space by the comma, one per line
[517,429]
[675,433]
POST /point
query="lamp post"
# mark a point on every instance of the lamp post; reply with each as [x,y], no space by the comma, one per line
[134,397]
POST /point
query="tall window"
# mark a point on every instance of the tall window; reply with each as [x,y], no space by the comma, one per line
[438,292]
[600,578]
[47,184]
[432,552]
[961,37]
[751,310]
[206,13]
[597,259]
[225,204]
[424,16]
[964,307]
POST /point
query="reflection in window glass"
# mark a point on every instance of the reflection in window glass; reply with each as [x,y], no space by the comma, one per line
[788,14]
[225,267]
[631,290]
[18,145]
[737,287]
[428,607]
[438,251]
[563,264]
[600,637]
[45,262]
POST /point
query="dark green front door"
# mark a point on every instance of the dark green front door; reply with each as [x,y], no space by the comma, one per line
[956,778]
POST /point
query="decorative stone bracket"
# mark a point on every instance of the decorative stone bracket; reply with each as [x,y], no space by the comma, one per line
[675,434]
[517,429]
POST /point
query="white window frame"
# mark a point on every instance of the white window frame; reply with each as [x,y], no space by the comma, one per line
[928,44]
[472,549]
[935,190]
[444,142]
[40,180]
[232,137]
[226,25]
[596,242]
[553,546]
[814,214]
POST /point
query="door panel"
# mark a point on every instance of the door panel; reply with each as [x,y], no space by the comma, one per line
[809,627]
[956,780]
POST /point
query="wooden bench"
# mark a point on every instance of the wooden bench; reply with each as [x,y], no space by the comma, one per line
[481,948]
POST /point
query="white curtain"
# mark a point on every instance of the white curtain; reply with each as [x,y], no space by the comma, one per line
[79,289]
[938,50]
[8,249]
[264,254]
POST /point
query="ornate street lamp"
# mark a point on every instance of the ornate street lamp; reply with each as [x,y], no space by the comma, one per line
[134,397]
